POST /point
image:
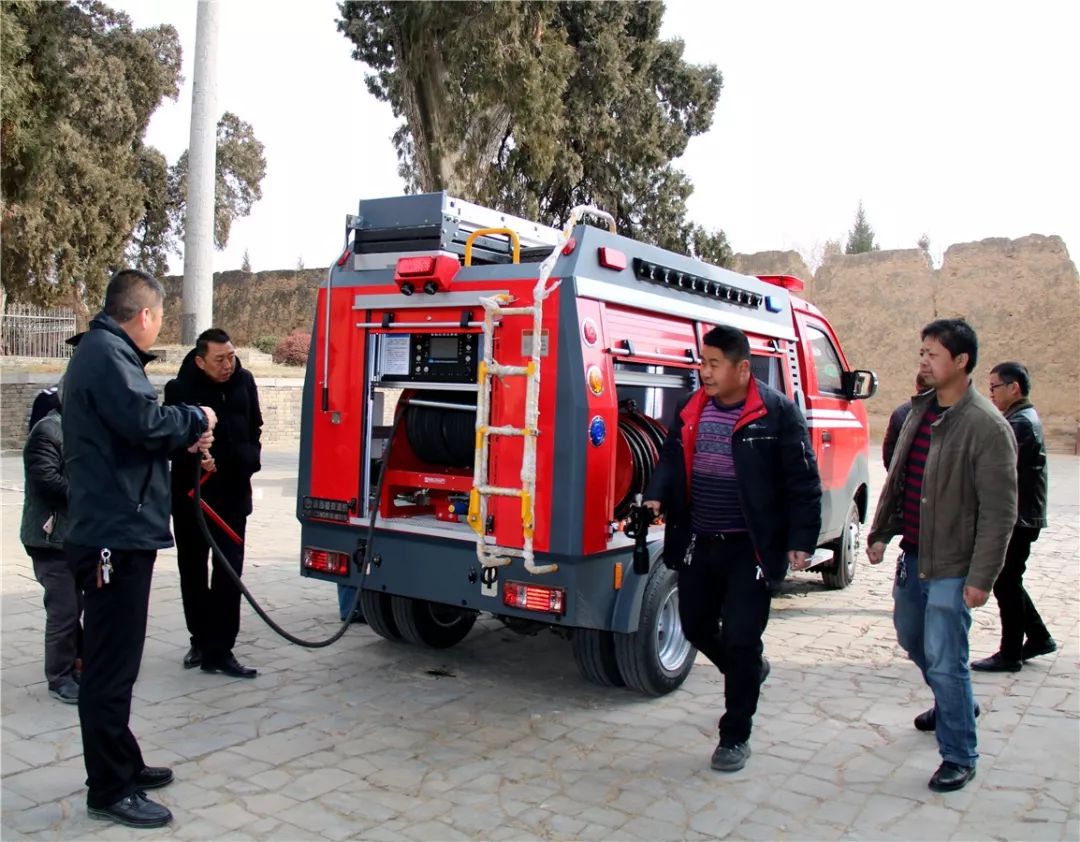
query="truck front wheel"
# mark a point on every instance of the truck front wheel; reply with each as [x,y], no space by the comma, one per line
[431,623]
[657,657]
[845,552]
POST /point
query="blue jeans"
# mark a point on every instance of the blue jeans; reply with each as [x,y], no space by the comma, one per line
[345,596]
[932,624]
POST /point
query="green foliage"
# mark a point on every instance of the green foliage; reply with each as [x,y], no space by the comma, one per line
[245,264]
[77,87]
[267,344]
[861,237]
[536,107]
[240,167]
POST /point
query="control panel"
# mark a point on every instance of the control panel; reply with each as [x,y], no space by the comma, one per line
[433,357]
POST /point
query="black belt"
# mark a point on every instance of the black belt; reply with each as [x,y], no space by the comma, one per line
[720,537]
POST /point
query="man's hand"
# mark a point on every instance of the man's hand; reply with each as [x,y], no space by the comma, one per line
[211,417]
[798,559]
[974,598]
[876,552]
[203,444]
[207,464]
[654,505]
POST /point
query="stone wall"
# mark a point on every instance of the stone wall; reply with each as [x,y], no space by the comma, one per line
[279,399]
[1021,296]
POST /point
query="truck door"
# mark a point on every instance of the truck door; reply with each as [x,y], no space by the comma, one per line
[835,430]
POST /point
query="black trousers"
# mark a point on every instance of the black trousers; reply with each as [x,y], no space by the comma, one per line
[1019,619]
[211,600]
[114,631]
[724,608]
[63,607]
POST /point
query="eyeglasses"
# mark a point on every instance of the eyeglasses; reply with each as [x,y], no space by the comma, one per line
[996,386]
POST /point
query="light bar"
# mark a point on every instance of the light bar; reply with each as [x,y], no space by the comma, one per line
[677,279]
[534,597]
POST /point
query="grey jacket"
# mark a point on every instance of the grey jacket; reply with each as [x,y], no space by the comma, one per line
[969,491]
[46,486]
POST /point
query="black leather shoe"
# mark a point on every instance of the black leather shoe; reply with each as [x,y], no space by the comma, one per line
[927,720]
[730,758]
[230,666]
[951,776]
[997,663]
[193,658]
[153,777]
[1034,650]
[135,810]
[765,669]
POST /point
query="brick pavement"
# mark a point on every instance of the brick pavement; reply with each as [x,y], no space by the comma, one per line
[500,739]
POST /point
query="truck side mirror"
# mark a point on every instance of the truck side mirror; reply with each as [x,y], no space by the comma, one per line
[859,385]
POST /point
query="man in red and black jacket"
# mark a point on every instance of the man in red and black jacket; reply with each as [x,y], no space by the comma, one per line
[740,489]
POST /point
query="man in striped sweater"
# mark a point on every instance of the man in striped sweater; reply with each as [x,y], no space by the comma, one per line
[739,484]
[951,496]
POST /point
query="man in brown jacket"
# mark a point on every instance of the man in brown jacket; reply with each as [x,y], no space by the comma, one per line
[951,496]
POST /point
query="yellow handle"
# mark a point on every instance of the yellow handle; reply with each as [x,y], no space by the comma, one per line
[515,241]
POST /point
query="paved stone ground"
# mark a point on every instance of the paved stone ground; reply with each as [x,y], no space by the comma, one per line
[500,739]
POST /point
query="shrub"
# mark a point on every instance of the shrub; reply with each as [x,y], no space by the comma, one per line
[267,344]
[293,349]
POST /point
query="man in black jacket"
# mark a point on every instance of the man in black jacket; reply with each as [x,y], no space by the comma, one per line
[896,421]
[211,374]
[739,483]
[1010,385]
[116,445]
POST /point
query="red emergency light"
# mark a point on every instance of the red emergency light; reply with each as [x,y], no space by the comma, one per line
[432,273]
[534,597]
[788,282]
[326,561]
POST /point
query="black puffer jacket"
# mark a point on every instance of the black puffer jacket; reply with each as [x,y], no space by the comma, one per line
[1031,477]
[237,448]
[46,487]
[777,474]
[117,441]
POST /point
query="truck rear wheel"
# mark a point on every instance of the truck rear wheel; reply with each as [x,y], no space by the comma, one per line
[594,652]
[845,553]
[657,657]
[378,614]
[431,623]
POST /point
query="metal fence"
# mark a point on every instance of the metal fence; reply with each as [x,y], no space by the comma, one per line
[29,331]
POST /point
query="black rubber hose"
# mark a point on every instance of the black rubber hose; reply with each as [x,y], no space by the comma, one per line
[224,565]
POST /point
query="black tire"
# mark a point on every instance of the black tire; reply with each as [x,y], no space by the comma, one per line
[641,654]
[594,653]
[431,623]
[841,572]
[378,614]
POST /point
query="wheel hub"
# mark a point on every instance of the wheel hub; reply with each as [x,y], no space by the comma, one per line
[672,647]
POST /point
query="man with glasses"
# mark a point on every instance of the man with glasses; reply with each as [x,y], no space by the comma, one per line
[1010,385]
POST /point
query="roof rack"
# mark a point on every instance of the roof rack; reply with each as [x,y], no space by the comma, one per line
[435,223]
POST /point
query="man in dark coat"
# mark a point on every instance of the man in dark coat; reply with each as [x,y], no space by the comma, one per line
[211,374]
[739,483]
[896,422]
[1010,387]
[117,440]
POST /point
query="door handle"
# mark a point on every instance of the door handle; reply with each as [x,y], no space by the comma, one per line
[826,438]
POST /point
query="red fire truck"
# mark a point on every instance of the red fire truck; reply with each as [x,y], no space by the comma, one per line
[486,397]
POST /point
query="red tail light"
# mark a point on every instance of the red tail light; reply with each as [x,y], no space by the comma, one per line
[326,561]
[534,598]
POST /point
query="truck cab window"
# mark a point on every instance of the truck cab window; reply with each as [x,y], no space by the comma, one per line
[826,363]
[767,370]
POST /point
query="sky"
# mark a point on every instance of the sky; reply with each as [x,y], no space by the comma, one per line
[954,119]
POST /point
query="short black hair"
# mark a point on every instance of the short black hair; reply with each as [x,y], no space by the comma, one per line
[731,341]
[211,334]
[957,336]
[130,291]
[1013,372]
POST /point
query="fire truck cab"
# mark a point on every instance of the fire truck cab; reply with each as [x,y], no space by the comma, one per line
[485,399]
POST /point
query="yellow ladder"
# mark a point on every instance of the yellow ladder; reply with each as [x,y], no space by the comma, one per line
[496,307]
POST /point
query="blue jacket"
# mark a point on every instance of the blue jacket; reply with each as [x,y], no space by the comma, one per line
[776,473]
[117,441]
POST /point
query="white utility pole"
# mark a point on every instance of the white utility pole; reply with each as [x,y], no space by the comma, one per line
[197,313]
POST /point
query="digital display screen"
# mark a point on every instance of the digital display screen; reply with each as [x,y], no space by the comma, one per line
[443,348]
